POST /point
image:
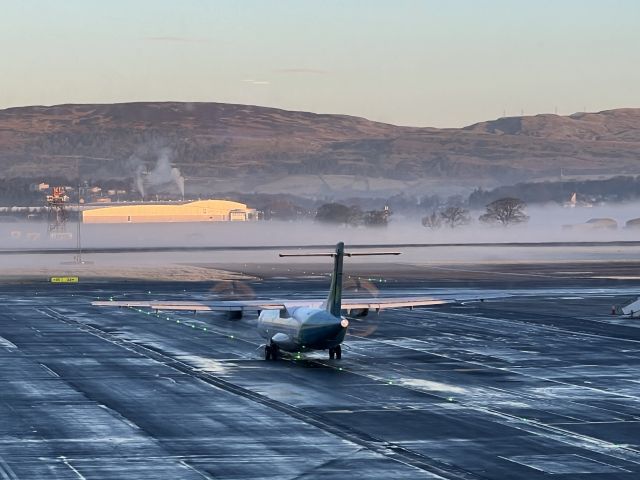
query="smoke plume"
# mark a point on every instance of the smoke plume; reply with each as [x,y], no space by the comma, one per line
[158,179]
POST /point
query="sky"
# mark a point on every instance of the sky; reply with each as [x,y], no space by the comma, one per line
[409,62]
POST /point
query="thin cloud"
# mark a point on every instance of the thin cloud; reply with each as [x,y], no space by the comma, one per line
[175,39]
[251,81]
[311,71]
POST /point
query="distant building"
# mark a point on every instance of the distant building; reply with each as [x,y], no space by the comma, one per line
[199,211]
[574,202]
[594,224]
[633,223]
[38,187]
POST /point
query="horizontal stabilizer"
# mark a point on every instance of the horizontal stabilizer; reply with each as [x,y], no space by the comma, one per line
[329,254]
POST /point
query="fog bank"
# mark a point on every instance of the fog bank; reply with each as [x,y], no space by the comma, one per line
[545,225]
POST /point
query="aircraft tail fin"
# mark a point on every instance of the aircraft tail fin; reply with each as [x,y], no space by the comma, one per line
[333,303]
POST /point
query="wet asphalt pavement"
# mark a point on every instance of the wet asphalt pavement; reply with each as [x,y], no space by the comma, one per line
[539,379]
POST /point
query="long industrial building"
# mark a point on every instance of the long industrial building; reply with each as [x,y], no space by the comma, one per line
[199,211]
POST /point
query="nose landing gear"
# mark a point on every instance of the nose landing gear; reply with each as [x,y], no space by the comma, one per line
[335,352]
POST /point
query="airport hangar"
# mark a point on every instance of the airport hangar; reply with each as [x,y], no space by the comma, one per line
[198,211]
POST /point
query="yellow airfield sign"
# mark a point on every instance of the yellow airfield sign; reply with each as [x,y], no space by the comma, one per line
[65,279]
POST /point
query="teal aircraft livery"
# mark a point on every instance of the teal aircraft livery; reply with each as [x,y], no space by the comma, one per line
[300,325]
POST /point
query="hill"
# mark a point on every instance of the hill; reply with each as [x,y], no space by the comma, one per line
[248,146]
[622,125]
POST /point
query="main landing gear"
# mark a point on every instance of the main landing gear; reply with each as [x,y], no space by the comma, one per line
[271,352]
[335,352]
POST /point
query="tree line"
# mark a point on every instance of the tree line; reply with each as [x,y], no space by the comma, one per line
[616,189]
[504,211]
[340,214]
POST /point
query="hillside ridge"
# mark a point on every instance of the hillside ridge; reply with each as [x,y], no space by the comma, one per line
[234,141]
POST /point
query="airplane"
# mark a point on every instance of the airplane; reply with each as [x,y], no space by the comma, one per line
[300,325]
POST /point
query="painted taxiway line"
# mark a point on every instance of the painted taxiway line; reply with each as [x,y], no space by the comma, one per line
[386,449]
[6,472]
[621,452]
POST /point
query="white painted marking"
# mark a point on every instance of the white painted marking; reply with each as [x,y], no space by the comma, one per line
[606,422]
[564,464]
[204,364]
[6,472]
[73,469]
[49,371]
[618,277]
[189,467]
[521,423]
[431,386]
[569,272]
[7,344]
[520,463]
[487,272]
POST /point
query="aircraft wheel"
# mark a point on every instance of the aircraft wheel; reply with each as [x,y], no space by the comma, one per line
[267,352]
[338,351]
[332,353]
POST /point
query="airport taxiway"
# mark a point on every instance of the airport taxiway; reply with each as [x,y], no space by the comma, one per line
[542,380]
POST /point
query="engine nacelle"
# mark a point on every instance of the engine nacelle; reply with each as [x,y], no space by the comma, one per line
[359,312]
[234,315]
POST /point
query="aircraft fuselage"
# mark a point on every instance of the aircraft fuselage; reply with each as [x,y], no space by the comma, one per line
[302,328]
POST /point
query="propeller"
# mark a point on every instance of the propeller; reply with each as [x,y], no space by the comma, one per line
[359,323]
[233,290]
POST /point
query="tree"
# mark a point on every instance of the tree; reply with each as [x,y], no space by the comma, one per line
[281,209]
[356,216]
[340,214]
[432,221]
[333,213]
[505,211]
[377,218]
[455,216]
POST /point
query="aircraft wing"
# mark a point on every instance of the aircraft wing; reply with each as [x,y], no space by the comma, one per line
[392,302]
[348,304]
[256,305]
[195,306]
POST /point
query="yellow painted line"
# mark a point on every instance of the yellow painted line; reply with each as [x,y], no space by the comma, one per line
[64,279]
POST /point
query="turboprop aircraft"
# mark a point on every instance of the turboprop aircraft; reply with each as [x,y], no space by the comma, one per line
[300,325]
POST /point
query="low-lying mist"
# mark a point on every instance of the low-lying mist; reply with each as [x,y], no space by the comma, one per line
[546,224]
